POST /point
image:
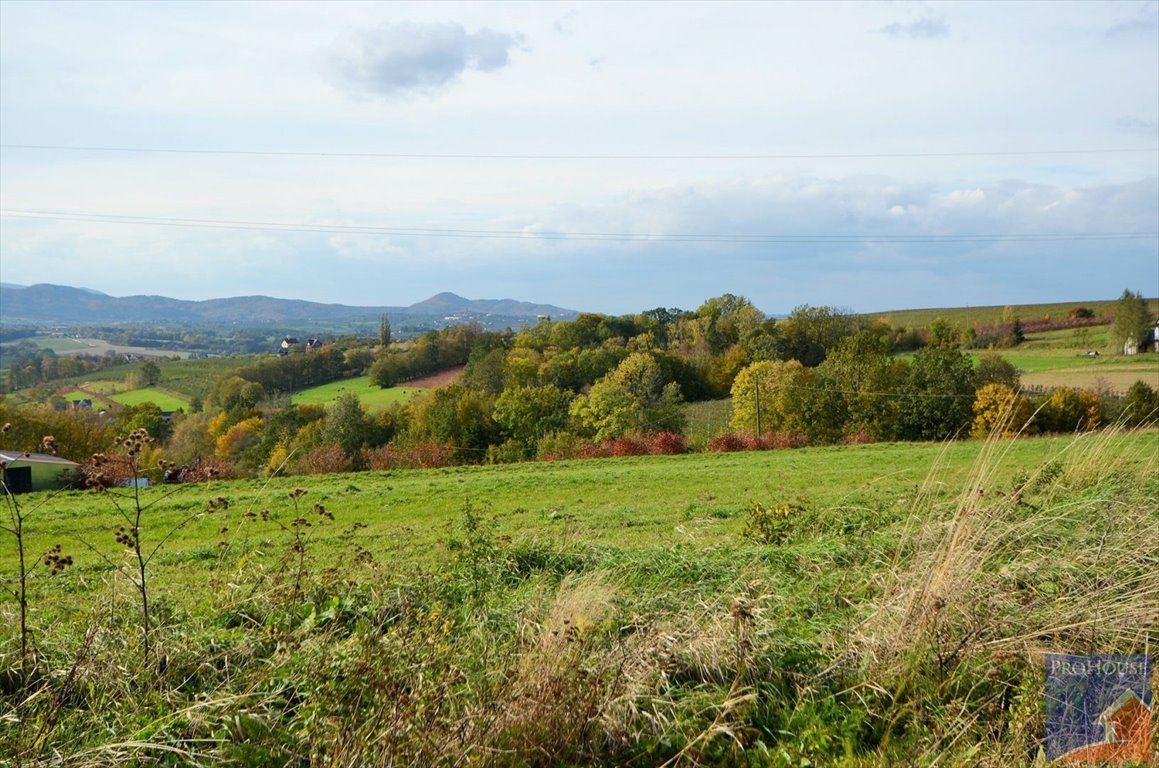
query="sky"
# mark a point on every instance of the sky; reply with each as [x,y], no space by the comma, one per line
[607,157]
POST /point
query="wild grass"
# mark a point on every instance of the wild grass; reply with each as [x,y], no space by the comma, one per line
[865,606]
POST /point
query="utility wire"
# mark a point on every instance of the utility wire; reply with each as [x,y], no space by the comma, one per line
[268,226]
[519,156]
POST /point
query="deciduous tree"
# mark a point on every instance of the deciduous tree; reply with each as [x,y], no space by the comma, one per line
[1131,320]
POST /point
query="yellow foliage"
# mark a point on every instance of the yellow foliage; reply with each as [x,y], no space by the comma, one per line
[1069,410]
[218,424]
[997,407]
[278,462]
[238,437]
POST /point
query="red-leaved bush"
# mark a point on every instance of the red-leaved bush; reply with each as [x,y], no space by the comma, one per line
[422,455]
[667,444]
[769,441]
[859,438]
[661,444]
[325,459]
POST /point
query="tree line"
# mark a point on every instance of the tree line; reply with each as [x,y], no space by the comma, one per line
[563,388]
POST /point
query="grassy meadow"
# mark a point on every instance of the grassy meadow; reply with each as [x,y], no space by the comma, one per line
[372,396]
[870,605]
[164,398]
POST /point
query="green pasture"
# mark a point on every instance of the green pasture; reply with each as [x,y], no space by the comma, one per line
[58,343]
[896,595]
[372,396]
[163,397]
[403,517]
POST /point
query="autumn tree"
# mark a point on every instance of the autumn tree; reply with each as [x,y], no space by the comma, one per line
[998,407]
[1131,320]
[634,398]
[1070,410]
[345,425]
[772,396]
[529,413]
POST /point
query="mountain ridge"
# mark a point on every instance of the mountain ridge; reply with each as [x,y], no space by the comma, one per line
[49,303]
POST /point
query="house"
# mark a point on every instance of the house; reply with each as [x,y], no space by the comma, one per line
[1151,340]
[1126,731]
[287,342]
[24,472]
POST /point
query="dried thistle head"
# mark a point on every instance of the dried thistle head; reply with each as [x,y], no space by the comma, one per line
[49,445]
[57,561]
[297,493]
[216,503]
[7,426]
[126,537]
[321,511]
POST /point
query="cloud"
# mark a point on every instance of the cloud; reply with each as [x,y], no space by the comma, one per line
[1130,124]
[397,59]
[1145,25]
[926,28]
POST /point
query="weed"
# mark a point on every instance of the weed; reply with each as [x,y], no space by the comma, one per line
[770,525]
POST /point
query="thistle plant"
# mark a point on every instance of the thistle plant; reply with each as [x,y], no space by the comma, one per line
[54,559]
[131,508]
[301,529]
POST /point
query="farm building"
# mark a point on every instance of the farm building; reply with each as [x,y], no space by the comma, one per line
[24,472]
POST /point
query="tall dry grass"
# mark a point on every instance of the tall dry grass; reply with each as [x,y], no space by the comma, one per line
[1064,559]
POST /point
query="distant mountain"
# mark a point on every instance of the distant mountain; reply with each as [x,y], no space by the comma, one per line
[45,303]
[452,304]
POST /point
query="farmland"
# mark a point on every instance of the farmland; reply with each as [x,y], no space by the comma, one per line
[966,317]
[372,396]
[715,608]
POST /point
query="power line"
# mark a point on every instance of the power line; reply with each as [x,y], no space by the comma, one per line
[722,238]
[521,156]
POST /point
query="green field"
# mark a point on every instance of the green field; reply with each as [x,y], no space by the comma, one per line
[163,397]
[855,606]
[58,343]
[372,396]
[848,606]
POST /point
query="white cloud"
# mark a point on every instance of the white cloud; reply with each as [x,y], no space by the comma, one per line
[925,28]
[965,197]
[398,59]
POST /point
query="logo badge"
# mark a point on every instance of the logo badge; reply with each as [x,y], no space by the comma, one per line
[1098,708]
